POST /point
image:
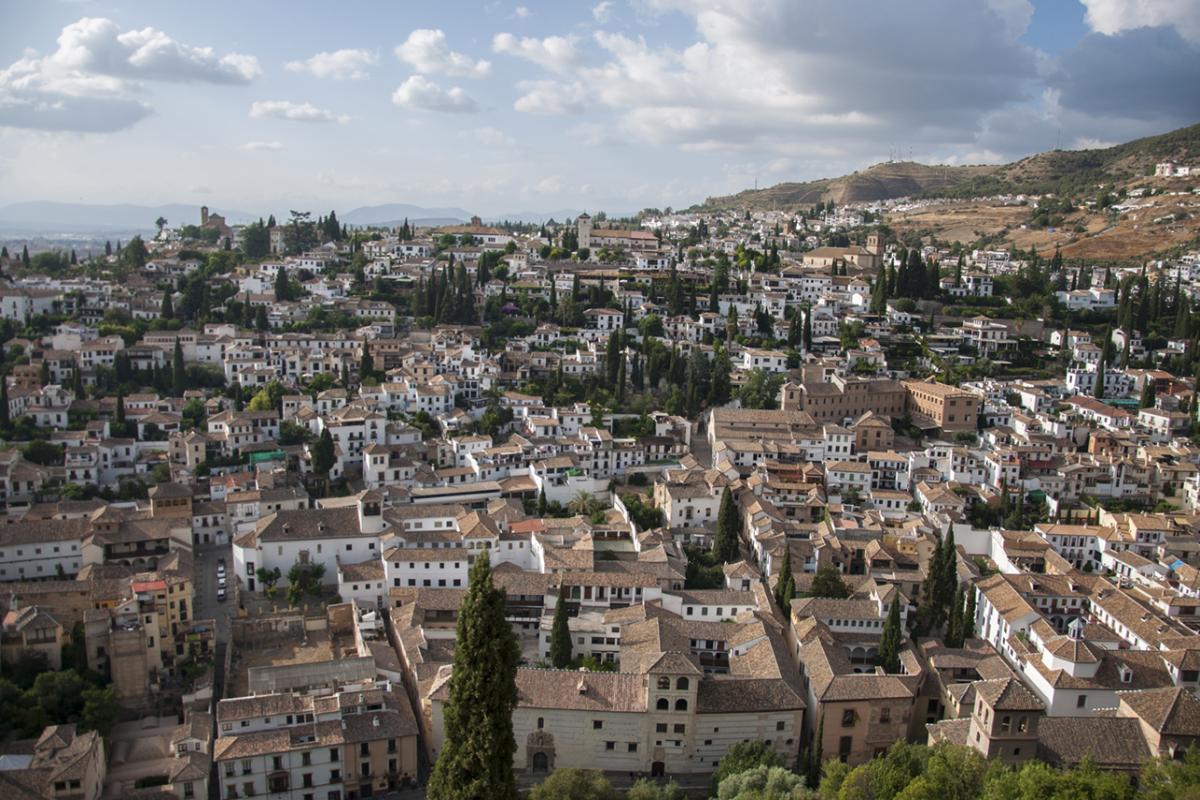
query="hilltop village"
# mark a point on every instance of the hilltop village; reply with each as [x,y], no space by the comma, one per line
[793,479]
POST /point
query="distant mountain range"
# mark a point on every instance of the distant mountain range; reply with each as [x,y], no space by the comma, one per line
[50,217]
[39,218]
[1057,171]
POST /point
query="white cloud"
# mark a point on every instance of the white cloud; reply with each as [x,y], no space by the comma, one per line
[337,65]
[551,184]
[602,10]
[521,12]
[97,45]
[493,137]
[294,112]
[1114,16]
[428,52]
[555,53]
[93,81]
[550,98]
[421,93]
[262,146]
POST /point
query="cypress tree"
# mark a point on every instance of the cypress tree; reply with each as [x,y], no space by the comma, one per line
[785,588]
[968,618]
[168,308]
[727,540]
[323,455]
[560,633]
[121,410]
[541,503]
[889,642]
[260,318]
[1098,392]
[808,330]
[178,372]
[477,757]
[366,365]
[281,284]
[4,417]
[954,624]
[25,256]
[1147,399]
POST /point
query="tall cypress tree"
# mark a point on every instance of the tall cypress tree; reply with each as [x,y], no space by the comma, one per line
[889,642]
[968,619]
[168,308]
[954,624]
[785,587]
[560,633]
[4,417]
[727,541]
[476,761]
[178,372]
[1098,392]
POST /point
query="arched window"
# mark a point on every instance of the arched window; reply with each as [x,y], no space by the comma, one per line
[682,684]
[664,682]
[681,704]
[663,704]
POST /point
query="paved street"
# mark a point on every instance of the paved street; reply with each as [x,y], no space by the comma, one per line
[207,607]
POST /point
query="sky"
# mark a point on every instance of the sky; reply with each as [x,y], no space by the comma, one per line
[501,107]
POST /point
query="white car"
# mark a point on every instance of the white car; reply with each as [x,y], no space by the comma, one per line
[220,581]
[221,595]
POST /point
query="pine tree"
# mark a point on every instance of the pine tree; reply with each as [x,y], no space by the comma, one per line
[4,415]
[889,642]
[178,371]
[1098,392]
[727,540]
[477,757]
[560,633]
[542,505]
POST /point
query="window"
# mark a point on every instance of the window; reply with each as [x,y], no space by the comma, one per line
[277,762]
[681,704]
[305,758]
[663,704]
[365,748]
[848,718]
[779,725]
[681,684]
[391,746]
[680,728]
[610,745]
[597,724]
[633,747]
[885,715]
[334,754]
[1081,701]
[660,727]
[664,682]
[844,746]
[541,723]
[229,769]
[246,766]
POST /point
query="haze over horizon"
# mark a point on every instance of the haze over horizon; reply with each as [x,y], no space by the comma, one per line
[614,105]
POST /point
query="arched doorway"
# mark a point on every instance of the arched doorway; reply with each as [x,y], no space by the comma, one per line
[539,751]
[658,769]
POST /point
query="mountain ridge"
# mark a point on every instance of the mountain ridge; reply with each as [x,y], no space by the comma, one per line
[1055,171]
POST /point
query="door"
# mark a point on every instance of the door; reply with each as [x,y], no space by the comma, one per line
[658,769]
[541,763]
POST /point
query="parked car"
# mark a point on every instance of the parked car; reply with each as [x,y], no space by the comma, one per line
[221,595]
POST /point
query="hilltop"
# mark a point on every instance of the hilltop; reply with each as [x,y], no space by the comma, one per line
[1057,171]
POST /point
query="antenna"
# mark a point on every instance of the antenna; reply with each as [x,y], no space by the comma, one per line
[1058,139]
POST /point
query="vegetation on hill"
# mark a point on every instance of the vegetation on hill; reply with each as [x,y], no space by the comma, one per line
[1054,172]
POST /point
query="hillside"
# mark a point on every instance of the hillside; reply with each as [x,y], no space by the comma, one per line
[1058,171]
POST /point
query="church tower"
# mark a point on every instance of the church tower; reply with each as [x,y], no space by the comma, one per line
[583,226]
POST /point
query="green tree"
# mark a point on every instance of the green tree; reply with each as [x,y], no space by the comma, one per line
[727,541]
[178,371]
[968,622]
[168,307]
[1147,399]
[282,285]
[99,710]
[4,413]
[785,586]
[646,789]
[135,254]
[890,640]
[744,756]
[828,583]
[560,632]
[323,455]
[477,757]
[763,783]
[954,621]
[573,784]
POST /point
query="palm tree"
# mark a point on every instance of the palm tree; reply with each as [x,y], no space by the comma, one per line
[583,503]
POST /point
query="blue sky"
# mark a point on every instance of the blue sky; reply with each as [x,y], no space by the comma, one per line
[504,107]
